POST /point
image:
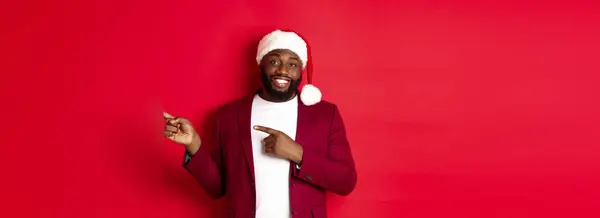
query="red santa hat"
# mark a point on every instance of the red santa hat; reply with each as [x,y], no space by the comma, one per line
[290,40]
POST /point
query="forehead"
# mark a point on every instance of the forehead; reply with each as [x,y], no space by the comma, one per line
[283,53]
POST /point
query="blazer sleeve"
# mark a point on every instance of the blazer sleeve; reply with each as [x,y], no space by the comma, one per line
[206,165]
[335,172]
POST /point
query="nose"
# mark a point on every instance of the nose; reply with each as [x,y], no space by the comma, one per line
[282,70]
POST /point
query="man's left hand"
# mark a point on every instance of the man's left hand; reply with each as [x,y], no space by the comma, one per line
[281,145]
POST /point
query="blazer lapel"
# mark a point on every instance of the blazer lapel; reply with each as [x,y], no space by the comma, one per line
[302,126]
[244,116]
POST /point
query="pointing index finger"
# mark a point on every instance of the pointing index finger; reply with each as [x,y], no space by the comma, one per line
[265,129]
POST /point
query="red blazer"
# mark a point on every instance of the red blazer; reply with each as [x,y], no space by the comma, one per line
[227,169]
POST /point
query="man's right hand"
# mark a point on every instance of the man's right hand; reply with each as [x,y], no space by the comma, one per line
[180,130]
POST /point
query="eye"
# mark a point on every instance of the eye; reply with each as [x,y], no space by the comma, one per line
[292,65]
[274,62]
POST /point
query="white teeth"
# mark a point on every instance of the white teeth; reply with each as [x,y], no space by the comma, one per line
[281,81]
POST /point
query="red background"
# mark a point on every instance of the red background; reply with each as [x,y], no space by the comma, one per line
[453,108]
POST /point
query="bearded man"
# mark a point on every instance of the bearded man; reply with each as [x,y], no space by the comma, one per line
[275,152]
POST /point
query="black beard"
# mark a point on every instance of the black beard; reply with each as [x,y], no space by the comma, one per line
[277,95]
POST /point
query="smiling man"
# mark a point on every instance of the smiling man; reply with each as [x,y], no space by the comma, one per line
[276,152]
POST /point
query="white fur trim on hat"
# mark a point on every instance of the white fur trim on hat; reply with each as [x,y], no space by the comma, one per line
[310,95]
[282,40]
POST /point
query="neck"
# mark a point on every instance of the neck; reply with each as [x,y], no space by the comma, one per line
[267,96]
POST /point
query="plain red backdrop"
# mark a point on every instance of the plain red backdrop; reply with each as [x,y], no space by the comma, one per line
[453,108]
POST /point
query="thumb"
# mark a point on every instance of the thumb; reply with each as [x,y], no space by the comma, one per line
[167,115]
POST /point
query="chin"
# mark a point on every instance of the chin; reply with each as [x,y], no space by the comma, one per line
[281,94]
[279,90]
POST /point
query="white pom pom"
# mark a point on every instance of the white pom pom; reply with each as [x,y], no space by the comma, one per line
[310,95]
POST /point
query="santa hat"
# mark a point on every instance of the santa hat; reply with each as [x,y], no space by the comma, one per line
[279,39]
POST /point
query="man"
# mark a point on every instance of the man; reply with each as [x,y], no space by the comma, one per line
[273,153]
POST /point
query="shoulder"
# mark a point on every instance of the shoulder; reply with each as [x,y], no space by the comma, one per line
[324,107]
[230,107]
[226,116]
[325,112]
[230,110]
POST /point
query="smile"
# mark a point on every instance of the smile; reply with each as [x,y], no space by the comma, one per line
[280,82]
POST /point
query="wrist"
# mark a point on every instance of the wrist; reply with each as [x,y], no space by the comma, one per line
[297,156]
[194,146]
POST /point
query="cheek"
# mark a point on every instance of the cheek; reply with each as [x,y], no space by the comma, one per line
[269,70]
[266,67]
[295,74]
